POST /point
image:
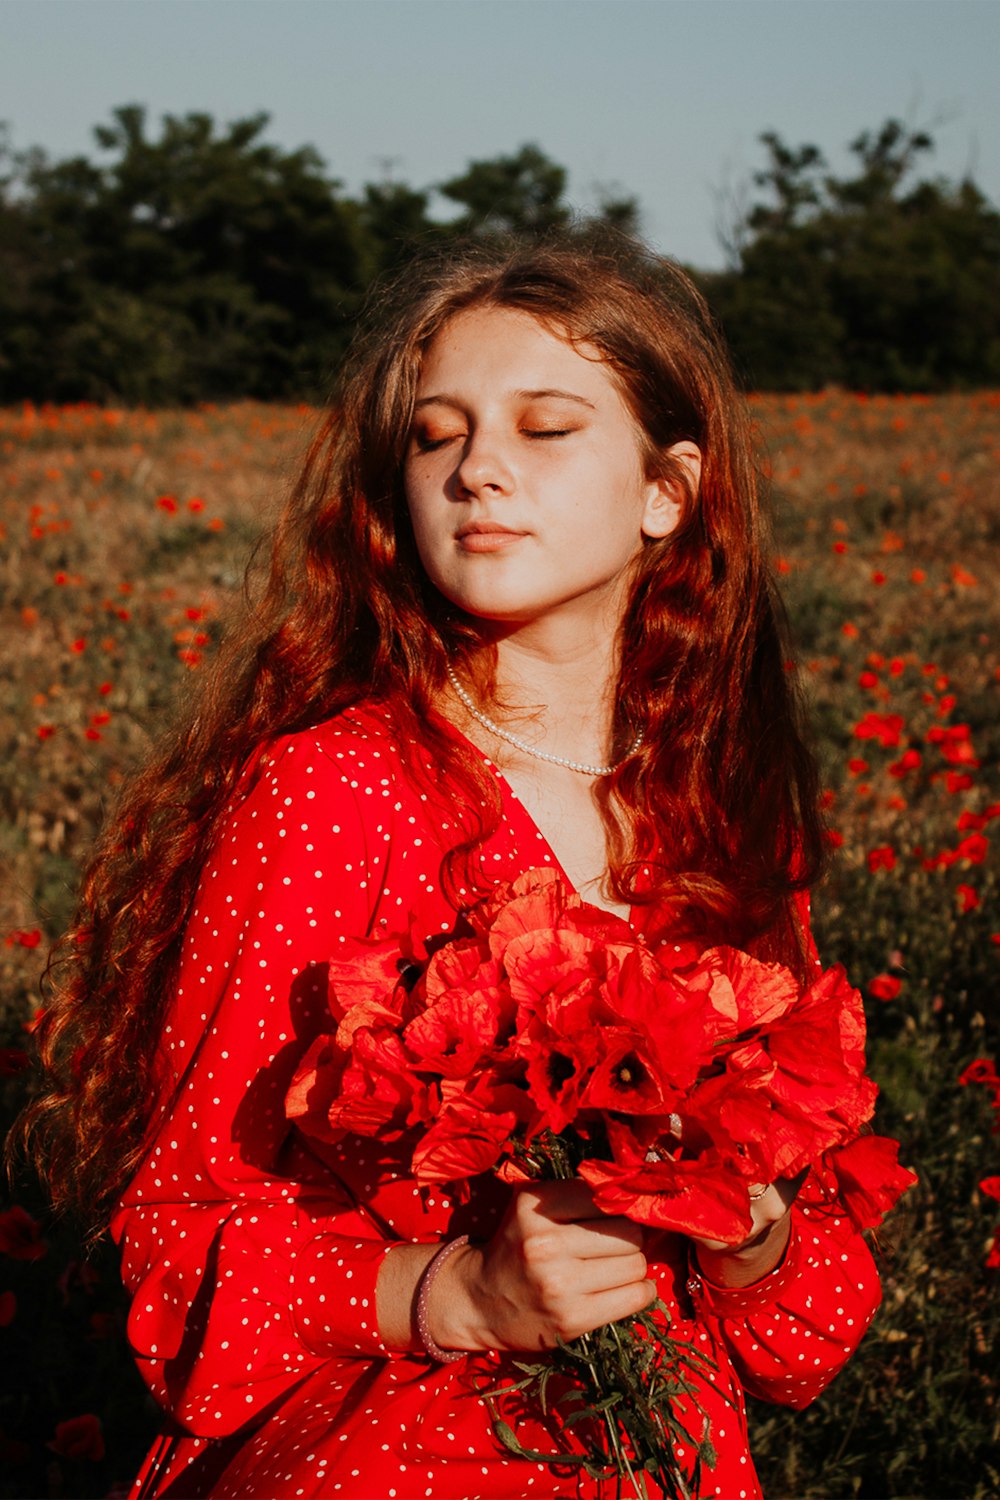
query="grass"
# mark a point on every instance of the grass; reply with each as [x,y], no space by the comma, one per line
[123,540]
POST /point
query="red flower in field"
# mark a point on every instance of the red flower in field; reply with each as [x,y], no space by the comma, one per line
[982,1071]
[45,731]
[78,646]
[971,821]
[897,666]
[104,689]
[167,503]
[849,630]
[878,577]
[25,937]
[195,504]
[885,986]
[886,728]
[79,1438]
[21,1235]
[93,734]
[957,781]
[882,858]
[868,680]
[974,848]
[840,548]
[60,578]
[968,897]
[834,838]
[910,760]
[963,577]
[857,766]
[991,1187]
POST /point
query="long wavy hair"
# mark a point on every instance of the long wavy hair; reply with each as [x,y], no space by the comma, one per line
[719,803]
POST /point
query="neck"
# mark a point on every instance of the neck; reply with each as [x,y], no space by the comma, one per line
[560,693]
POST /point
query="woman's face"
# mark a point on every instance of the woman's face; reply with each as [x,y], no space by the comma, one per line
[524,475]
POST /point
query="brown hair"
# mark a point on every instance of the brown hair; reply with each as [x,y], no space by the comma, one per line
[720,800]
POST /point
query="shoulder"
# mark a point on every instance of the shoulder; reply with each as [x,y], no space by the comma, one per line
[357,748]
[349,768]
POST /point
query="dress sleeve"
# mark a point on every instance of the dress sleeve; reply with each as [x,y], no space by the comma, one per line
[249,1261]
[791,1332]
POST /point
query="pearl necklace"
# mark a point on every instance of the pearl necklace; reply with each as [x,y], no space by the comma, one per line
[515,739]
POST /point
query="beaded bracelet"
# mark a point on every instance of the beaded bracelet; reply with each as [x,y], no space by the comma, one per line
[427,1280]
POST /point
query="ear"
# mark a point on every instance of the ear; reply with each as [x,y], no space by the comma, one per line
[667,495]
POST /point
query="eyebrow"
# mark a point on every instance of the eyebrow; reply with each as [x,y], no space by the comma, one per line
[446,400]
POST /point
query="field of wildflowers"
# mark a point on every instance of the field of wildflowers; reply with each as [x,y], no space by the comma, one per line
[123,536]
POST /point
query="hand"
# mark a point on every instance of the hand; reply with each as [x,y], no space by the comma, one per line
[741,1265]
[556,1268]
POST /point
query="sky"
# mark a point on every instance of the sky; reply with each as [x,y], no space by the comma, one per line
[664,99]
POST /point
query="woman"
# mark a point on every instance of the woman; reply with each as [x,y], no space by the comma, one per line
[518,613]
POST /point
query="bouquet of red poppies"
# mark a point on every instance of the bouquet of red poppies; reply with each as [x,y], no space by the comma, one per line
[554,1041]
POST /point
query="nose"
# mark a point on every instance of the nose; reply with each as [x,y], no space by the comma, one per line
[483,467]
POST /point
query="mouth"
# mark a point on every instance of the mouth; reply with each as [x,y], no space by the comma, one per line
[486,536]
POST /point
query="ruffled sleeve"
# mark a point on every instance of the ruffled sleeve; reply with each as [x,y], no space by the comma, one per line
[249,1259]
[791,1332]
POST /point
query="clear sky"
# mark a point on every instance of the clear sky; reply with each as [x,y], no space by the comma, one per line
[664,98]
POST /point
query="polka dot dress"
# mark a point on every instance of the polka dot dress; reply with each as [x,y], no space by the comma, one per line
[253,1255]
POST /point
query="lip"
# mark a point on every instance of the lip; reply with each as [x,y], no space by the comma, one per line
[487,536]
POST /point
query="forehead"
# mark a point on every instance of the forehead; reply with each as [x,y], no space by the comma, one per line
[507,349]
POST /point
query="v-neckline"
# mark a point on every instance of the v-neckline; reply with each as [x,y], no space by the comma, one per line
[512,802]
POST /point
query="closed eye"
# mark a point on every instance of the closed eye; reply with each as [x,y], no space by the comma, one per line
[547,432]
[426,444]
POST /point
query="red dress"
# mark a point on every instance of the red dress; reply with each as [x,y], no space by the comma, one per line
[253,1260]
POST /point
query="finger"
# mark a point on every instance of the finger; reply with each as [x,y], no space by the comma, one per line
[562,1202]
[767,1208]
[609,1307]
[593,1277]
[595,1238]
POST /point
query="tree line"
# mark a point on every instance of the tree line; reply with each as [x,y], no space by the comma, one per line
[203,263]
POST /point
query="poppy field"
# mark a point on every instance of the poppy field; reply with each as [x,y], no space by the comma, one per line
[123,540]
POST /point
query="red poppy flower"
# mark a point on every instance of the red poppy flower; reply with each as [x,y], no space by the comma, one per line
[885,986]
[470,1132]
[886,728]
[974,848]
[702,1198]
[21,1235]
[882,858]
[866,1177]
[79,1438]
[968,897]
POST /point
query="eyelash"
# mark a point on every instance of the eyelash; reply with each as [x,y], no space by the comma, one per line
[429,445]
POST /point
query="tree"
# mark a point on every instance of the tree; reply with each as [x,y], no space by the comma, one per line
[873,280]
[521,194]
[234,264]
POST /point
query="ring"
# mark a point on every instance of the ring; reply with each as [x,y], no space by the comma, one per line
[759,1194]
